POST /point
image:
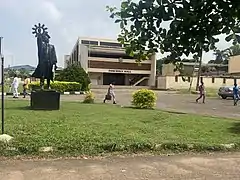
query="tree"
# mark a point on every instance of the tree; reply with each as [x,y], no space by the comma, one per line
[23,73]
[194,25]
[221,56]
[159,65]
[75,73]
[11,72]
[233,50]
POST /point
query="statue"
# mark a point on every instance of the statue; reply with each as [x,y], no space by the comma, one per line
[47,58]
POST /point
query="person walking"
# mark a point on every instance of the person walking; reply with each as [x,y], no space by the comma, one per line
[235,94]
[110,94]
[202,93]
[15,85]
[25,86]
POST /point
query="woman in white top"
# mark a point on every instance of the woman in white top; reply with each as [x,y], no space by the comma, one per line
[15,85]
[110,94]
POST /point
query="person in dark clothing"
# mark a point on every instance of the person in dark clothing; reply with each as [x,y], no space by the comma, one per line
[202,93]
[235,94]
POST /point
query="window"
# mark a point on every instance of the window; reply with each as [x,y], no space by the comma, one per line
[224,80]
[176,78]
[89,42]
[213,80]
[110,44]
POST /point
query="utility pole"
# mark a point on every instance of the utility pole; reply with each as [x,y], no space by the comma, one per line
[2,83]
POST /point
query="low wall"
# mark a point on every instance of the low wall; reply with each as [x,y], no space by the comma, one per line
[176,82]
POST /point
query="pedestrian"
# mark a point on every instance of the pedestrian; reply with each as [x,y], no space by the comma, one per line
[235,94]
[110,94]
[25,86]
[202,93]
[15,85]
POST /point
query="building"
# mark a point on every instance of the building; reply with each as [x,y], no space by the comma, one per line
[234,65]
[191,69]
[106,62]
[66,60]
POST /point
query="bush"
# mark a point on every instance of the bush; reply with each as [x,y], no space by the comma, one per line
[89,98]
[75,73]
[144,99]
[59,86]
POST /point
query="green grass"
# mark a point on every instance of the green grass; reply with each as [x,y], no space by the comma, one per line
[92,129]
[210,92]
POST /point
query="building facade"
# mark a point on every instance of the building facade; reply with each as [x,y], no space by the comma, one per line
[106,62]
[234,65]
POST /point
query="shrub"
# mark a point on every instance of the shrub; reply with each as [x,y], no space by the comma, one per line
[144,99]
[59,86]
[89,98]
[75,73]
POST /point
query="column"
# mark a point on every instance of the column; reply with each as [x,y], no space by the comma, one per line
[152,79]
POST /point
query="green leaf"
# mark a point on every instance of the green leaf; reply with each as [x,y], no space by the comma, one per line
[122,25]
[118,20]
[237,38]
[226,30]
[159,2]
[236,30]
[229,38]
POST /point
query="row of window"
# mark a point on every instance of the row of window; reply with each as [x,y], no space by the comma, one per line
[109,44]
[201,79]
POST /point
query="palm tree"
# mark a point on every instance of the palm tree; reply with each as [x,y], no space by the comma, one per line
[221,56]
[233,50]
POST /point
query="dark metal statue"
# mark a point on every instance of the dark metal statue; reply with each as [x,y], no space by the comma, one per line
[47,58]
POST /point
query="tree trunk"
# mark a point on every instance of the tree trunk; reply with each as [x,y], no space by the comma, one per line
[190,86]
[199,70]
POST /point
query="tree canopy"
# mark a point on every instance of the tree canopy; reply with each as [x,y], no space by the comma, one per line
[194,25]
[223,56]
[74,73]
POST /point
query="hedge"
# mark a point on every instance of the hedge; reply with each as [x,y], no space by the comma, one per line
[59,86]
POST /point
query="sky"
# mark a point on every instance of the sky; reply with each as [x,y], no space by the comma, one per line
[66,21]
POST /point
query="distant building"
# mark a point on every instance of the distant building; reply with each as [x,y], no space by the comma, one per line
[25,67]
[106,62]
[191,69]
[234,65]
[66,60]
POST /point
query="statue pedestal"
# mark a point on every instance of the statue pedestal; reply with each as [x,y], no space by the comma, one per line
[45,100]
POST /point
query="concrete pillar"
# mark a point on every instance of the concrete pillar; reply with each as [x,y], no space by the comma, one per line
[152,79]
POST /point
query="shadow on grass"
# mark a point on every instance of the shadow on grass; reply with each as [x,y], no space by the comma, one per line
[132,107]
[167,111]
[19,108]
[235,128]
[24,108]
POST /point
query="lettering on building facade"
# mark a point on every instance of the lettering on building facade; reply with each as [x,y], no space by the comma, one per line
[118,71]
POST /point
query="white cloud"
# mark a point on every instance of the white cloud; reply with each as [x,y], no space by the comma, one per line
[50,10]
[66,21]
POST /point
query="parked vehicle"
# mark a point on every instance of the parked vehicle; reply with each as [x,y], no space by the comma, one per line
[226,91]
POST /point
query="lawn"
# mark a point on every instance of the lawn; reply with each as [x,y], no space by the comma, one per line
[97,128]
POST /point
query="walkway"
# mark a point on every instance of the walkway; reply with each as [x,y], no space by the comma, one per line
[215,167]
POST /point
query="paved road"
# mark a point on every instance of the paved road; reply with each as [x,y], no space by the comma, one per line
[208,167]
[173,102]
[177,102]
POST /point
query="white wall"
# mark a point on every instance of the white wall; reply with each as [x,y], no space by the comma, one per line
[169,82]
[83,56]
